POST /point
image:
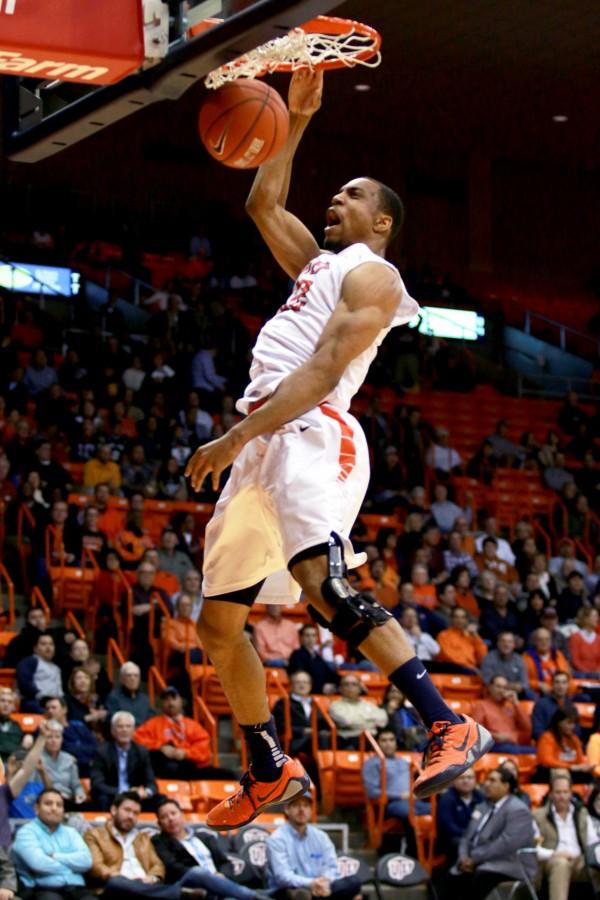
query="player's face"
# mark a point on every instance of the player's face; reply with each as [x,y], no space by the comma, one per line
[352,214]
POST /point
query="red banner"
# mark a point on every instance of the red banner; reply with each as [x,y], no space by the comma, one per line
[90,41]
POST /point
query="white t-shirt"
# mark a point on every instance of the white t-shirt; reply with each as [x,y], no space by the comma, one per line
[289,339]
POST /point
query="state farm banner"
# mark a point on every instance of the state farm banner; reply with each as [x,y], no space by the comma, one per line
[90,41]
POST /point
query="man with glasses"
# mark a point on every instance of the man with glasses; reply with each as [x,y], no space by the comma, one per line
[352,714]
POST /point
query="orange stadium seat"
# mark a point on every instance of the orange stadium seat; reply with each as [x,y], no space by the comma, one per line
[458,687]
[177,790]
[28,722]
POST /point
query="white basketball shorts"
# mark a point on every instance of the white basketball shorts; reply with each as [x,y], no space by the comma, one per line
[286,493]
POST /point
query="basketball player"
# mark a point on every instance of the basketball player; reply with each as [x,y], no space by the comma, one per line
[300,471]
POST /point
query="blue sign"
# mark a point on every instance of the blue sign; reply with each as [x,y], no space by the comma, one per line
[51,281]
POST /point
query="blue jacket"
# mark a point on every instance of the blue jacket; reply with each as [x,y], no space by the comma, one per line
[453,817]
[81,743]
[543,710]
[50,859]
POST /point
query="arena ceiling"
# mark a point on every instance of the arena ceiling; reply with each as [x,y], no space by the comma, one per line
[471,74]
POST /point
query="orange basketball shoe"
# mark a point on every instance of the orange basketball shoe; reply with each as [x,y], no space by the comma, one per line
[255,796]
[452,749]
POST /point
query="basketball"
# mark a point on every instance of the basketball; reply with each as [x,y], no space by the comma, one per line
[244,124]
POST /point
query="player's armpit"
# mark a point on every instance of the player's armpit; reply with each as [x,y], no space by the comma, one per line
[288,239]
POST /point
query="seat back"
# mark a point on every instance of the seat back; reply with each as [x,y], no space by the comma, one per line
[397,870]
[251,834]
[351,865]
[176,790]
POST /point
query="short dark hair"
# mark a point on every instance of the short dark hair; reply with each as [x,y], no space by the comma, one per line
[49,790]
[124,796]
[507,777]
[162,801]
[390,204]
[45,700]
[307,626]
[386,730]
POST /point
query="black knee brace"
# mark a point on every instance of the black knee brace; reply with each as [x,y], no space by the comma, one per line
[357,613]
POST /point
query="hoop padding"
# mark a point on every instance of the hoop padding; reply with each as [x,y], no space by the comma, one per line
[323,43]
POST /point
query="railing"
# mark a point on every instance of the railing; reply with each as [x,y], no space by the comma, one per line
[38,599]
[7,585]
[114,657]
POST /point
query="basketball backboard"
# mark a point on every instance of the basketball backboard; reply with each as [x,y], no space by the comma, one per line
[183,41]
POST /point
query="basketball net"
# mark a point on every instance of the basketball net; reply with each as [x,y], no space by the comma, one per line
[299,49]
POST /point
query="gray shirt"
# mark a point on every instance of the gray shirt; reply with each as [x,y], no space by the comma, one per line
[47,679]
[512,668]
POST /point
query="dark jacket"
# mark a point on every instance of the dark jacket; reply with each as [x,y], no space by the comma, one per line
[542,712]
[453,817]
[176,859]
[320,671]
[301,742]
[11,736]
[81,743]
[105,772]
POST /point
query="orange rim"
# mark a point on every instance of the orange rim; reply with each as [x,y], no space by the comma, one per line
[331,25]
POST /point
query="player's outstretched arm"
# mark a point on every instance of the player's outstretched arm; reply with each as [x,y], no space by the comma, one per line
[290,242]
[371,294]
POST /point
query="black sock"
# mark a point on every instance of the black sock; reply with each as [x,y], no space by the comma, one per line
[265,750]
[413,680]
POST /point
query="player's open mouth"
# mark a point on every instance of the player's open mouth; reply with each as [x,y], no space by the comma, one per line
[331,218]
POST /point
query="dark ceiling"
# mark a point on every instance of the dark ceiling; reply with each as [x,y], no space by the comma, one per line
[472,74]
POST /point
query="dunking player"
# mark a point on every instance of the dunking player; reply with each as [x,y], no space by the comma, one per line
[300,470]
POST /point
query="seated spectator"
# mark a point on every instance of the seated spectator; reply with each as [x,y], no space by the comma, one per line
[133,540]
[8,877]
[352,714]
[190,861]
[560,748]
[179,634]
[424,591]
[531,617]
[192,586]
[128,696]
[404,720]
[443,458]
[566,552]
[445,512]
[382,583]
[22,645]
[544,708]
[505,661]
[51,858]
[525,555]
[425,647]
[145,593]
[20,790]
[136,472]
[455,556]
[500,615]
[446,602]
[572,598]
[584,644]
[397,781]
[121,765]
[191,538]
[82,700]
[558,639]
[307,658]
[179,747]
[60,768]
[542,661]
[38,676]
[171,482]
[454,810]
[504,451]
[465,598]
[92,538]
[301,705]
[428,621]
[275,637]
[314,873]
[461,648]
[545,582]
[557,475]
[501,714]
[484,588]
[566,830]
[170,559]
[467,538]
[513,766]
[11,733]
[80,658]
[78,740]
[487,851]
[489,560]
[102,470]
[55,480]
[503,549]
[60,542]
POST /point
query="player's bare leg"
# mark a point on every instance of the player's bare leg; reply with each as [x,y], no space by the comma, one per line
[456,741]
[273,778]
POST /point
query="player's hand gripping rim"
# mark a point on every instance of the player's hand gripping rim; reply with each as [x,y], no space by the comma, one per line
[213,458]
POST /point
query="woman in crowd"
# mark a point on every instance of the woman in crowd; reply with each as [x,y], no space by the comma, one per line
[465,597]
[584,644]
[560,748]
[82,700]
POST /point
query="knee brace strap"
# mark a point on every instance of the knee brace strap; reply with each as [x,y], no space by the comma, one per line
[357,613]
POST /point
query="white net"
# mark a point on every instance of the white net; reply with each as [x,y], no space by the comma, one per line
[299,49]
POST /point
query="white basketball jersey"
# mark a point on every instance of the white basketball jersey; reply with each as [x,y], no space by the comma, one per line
[289,339]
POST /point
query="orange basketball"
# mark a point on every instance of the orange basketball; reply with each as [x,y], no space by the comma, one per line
[244,123]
